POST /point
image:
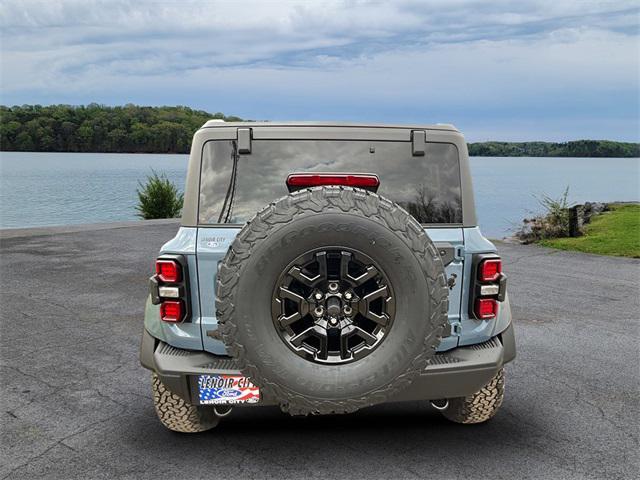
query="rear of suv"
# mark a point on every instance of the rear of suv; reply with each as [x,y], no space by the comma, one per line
[326,268]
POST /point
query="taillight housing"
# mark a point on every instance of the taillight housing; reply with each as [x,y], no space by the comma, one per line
[169,288]
[172,311]
[489,269]
[367,181]
[168,271]
[488,286]
[486,308]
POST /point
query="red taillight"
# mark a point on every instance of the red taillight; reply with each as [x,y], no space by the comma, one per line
[168,270]
[171,310]
[360,180]
[169,288]
[486,308]
[490,270]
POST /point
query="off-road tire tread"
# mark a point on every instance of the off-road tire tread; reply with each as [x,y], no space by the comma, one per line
[178,415]
[480,406]
[340,200]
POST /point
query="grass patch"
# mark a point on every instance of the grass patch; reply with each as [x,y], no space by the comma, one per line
[616,232]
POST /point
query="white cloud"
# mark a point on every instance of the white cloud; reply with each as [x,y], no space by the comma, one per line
[337,59]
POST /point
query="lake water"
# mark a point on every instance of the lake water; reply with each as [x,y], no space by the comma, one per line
[38,189]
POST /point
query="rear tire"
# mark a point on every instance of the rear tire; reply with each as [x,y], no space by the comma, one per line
[480,406]
[179,415]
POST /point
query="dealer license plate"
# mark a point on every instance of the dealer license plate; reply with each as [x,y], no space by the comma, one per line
[216,389]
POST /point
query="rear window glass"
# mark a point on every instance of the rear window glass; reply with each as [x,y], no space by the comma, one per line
[234,187]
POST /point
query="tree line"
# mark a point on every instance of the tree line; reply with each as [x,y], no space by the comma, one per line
[136,129]
[99,128]
[577,148]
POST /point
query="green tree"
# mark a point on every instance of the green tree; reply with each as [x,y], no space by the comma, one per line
[159,198]
[25,141]
[117,140]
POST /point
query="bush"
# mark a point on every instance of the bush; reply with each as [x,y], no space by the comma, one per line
[159,198]
[553,223]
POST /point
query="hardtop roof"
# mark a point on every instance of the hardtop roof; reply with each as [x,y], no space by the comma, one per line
[215,123]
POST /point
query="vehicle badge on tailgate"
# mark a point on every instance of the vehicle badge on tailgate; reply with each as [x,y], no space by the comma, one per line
[214,242]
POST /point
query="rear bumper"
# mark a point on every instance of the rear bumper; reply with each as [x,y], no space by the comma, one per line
[454,373]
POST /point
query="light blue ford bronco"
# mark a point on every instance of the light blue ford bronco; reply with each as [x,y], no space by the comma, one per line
[326,268]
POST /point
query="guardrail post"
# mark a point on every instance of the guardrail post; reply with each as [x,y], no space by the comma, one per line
[574,221]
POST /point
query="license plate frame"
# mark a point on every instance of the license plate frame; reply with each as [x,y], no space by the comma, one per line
[221,389]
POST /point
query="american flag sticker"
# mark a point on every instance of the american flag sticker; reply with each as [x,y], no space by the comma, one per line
[217,389]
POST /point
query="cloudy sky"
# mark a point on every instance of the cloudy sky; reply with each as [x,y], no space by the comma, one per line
[519,70]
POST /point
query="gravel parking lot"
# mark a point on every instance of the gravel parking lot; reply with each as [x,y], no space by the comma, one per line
[77,404]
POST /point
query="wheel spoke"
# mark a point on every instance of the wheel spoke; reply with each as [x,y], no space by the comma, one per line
[286,293]
[365,306]
[344,342]
[345,258]
[302,307]
[301,303]
[323,352]
[322,265]
[297,340]
[370,273]
[297,274]
[380,292]
[285,321]
[366,336]
[381,320]
[313,331]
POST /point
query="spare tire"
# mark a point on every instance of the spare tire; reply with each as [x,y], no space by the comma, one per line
[331,299]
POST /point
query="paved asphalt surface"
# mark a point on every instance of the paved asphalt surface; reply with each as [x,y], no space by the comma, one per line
[76,403]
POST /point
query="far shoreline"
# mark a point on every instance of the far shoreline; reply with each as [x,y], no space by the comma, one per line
[187,154]
[96,128]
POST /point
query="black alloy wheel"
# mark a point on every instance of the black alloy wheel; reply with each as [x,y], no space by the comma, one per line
[333,305]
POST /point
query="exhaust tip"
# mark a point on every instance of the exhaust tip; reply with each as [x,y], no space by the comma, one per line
[222,410]
[440,405]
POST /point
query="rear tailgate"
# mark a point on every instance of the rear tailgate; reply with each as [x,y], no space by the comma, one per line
[213,243]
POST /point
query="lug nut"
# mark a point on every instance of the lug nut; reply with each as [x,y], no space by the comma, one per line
[318,296]
[333,287]
[333,320]
[348,295]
